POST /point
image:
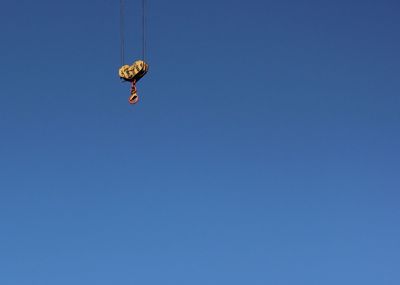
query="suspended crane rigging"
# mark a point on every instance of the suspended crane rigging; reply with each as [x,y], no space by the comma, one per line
[133,73]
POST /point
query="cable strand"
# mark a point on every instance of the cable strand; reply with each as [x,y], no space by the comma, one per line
[144,29]
[122,32]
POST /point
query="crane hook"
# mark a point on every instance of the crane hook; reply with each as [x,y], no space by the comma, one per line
[134,98]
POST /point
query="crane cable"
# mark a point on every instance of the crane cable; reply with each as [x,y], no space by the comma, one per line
[122,30]
[144,30]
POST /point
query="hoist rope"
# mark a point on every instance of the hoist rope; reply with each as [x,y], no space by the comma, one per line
[144,29]
[122,30]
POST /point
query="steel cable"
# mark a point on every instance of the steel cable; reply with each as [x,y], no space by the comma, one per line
[122,32]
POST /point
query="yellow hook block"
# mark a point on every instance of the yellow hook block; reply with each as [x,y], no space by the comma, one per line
[134,72]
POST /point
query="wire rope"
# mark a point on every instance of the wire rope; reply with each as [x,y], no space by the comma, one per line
[122,30]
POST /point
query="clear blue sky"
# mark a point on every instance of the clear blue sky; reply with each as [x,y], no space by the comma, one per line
[264,150]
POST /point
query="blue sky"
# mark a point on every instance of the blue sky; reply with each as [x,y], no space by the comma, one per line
[264,150]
